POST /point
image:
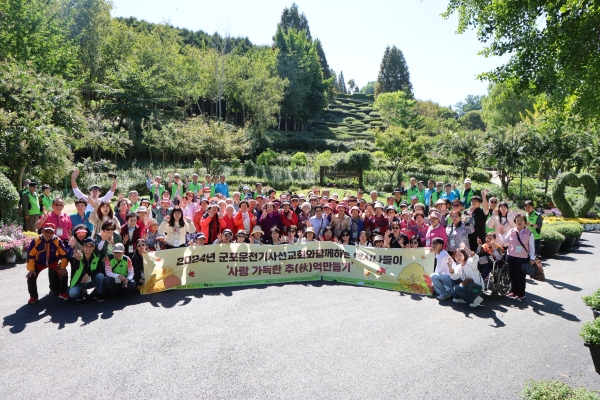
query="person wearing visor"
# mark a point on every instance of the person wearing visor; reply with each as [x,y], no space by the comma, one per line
[225,237]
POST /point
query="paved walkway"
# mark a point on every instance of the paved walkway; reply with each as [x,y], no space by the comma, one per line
[310,340]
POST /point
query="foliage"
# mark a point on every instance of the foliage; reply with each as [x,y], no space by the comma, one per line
[472,121]
[266,157]
[572,179]
[461,147]
[590,332]
[9,197]
[551,235]
[552,46]
[324,159]
[504,106]
[398,148]
[292,19]
[37,115]
[592,300]
[503,150]
[397,108]
[555,390]
[471,103]
[369,88]
[393,73]
[569,230]
[298,159]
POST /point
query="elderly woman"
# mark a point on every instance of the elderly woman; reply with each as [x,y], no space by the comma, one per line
[465,269]
[397,238]
[435,230]
[304,216]
[270,218]
[458,231]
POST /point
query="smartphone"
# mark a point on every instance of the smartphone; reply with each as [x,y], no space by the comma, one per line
[112,175]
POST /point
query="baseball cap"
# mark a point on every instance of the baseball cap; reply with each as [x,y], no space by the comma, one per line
[49,226]
[118,248]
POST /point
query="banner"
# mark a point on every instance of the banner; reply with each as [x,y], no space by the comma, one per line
[239,264]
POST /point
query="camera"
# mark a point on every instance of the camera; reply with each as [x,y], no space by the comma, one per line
[111,175]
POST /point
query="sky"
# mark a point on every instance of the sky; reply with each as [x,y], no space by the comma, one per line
[443,66]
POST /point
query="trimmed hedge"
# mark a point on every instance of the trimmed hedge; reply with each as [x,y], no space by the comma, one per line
[574,180]
[9,197]
[552,235]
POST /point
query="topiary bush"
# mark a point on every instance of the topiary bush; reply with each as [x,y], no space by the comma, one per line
[574,180]
[9,197]
[569,230]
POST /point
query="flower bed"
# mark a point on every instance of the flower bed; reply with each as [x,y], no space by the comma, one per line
[13,241]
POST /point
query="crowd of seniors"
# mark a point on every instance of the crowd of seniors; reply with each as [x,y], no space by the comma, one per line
[104,242]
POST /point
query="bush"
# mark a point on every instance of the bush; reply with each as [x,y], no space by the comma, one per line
[551,235]
[374,114]
[592,300]
[9,197]
[249,168]
[329,117]
[358,123]
[555,390]
[298,159]
[481,176]
[349,120]
[569,230]
[571,179]
[590,332]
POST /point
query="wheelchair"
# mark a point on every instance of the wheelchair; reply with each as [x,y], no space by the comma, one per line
[498,281]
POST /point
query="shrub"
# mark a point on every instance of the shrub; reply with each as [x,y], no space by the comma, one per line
[359,123]
[590,332]
[571,179]
[329,117]
[569,230]
[592,300]
[249,168]
[349,120]
[298,159]
[266,157]
[555,390]
[9,197]
[481,176]
[551,235]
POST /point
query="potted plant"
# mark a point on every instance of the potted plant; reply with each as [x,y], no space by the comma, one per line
[593,302]
[10,251]
[571,232]
[590,333]
[551,242]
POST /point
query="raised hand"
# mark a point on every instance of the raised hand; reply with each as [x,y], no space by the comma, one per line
[71,242]
[149,174]
[75,174]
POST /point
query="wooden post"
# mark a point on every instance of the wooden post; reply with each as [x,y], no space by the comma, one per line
[360,179]
[321,176]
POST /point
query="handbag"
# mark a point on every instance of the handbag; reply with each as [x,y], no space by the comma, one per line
[527,268]
[473,287]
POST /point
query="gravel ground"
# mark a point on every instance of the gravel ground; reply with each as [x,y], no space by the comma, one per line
[309,340]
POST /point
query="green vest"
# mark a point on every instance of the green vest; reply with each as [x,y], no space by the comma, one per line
[120,267]
[134,206]
[488,230]
[161,190]
[77,275]
[410,192]
[532,219]
[46,201]
[174,188]
[34,204]
[195,187]
[465,197]
[435,197]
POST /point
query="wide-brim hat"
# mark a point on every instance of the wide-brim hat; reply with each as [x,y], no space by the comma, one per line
[257,229]
[309,229]
[435,214]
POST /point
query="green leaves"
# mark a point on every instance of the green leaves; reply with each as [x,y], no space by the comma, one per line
[397,108]
[393,73]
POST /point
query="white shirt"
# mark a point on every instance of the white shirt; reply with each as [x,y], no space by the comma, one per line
[442,263]
[246,220]
[79,195]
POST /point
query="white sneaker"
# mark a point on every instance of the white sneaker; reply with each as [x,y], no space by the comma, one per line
[476,302]
[458,301]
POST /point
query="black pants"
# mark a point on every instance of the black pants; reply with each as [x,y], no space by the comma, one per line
[517,276]
[58,283]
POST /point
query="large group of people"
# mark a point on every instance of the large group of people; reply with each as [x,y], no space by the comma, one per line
[104,242]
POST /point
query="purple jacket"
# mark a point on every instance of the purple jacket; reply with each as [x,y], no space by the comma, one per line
[269,221]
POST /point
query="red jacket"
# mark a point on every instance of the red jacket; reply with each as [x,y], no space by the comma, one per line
[229,223]
[239,223]
[286,221]
[211,227]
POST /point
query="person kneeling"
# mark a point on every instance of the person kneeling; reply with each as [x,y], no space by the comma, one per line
[86,272]
[465,269]
[119,271]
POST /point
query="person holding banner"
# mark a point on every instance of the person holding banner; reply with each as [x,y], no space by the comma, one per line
[291,235]
[309,235]
[211,223]
[240,237]
[244,219]
[256,236]
[363,240]
[275,237]
[176,228]
[441,279]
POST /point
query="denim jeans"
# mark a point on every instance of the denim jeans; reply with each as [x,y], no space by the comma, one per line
[442,283]
[462,292]
[97,282]
[112,286]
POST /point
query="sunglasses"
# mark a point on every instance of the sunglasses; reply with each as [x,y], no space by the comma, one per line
[228,235]
[455,205]
[493,202]
[396,228]
[292,231]
[345,234]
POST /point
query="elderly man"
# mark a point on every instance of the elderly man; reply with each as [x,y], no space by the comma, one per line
[176,185]
[47,251]
[31,207]
[467,194]
[194,185]
[119,271]
[156,188]
[94,197]
[87,272]
[59,219]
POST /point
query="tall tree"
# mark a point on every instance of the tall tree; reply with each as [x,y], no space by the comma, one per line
[471,103]
[503,106]
[393,73]
[369,88]
[553,47]
[342,83]
[292,19]
[323,60]
[398,109]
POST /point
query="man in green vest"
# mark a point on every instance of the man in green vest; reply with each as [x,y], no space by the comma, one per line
[467,194]
[31,207]
[46,199]
[176,185]
[119,271]
[133,197]
[534,221]
[155,187]
[437,193]
[194,186]
[22,194]
[413,189]
[87,272]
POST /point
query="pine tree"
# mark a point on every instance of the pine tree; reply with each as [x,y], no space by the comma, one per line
[292,19]
[393,73]
[342,83]
[323,60]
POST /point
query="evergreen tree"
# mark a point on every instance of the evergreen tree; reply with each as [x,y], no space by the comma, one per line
[323,60]
[393,73]
[292,19]
[342,83]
